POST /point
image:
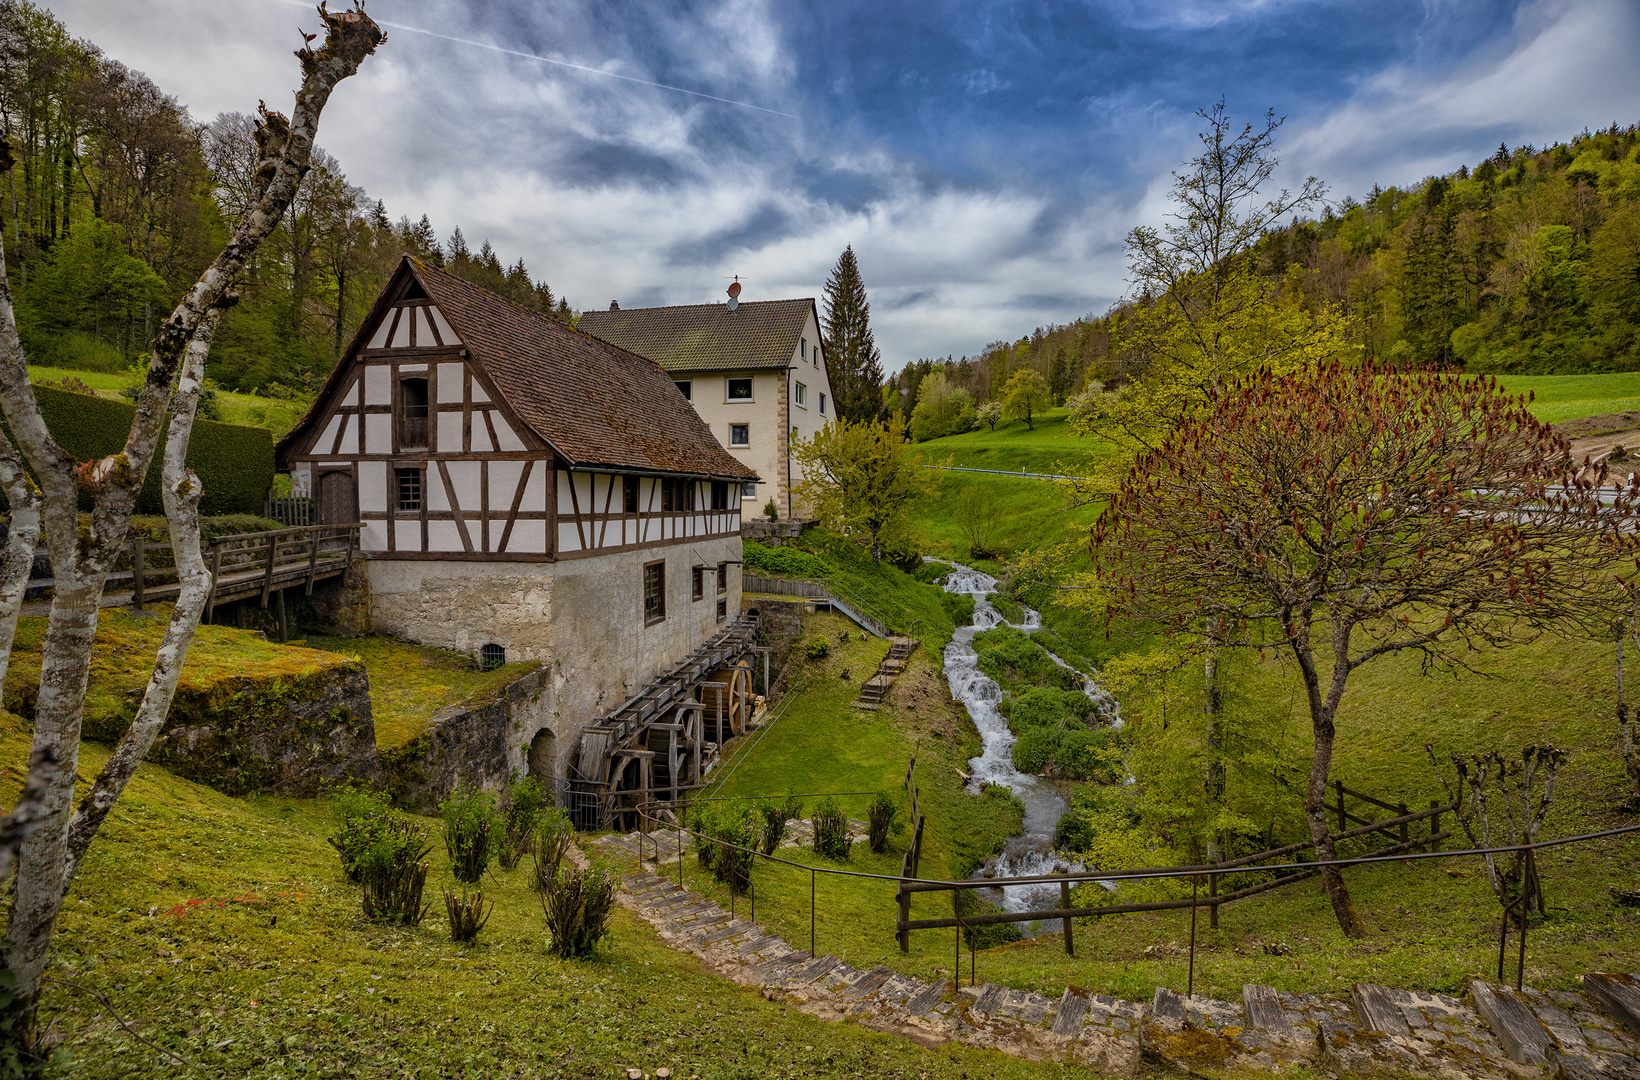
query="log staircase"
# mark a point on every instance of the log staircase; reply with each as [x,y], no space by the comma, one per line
[874,689]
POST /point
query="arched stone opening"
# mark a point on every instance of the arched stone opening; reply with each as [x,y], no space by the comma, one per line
[540,757]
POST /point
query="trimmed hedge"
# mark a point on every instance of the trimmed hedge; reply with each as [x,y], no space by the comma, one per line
[234,463]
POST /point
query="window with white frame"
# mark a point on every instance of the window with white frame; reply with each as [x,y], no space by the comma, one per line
[802,396]
[738,389]
[741,434]
[748,488]
[686,388]
[822,404]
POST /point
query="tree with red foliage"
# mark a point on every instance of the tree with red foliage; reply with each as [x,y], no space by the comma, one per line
[1348,512]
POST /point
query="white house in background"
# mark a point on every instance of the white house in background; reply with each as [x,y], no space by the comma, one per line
[754,371]
[527,487]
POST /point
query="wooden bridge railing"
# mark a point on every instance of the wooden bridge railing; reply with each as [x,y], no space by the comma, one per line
[245,564]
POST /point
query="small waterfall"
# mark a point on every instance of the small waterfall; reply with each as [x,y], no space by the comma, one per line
[1030,853]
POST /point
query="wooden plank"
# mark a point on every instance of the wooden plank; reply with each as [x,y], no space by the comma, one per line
[928,997]
[1264,1011]
[517,500]
[1619,995]
[1512,1024]
[990,996]
[455,507]
[1068,1017]
[1378,1010]
[1167,1005]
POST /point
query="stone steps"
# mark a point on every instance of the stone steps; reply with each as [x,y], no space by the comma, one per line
[1378,1031]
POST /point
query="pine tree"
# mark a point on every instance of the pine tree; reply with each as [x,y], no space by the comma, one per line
[852,359]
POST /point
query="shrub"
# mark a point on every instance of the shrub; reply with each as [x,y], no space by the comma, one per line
[880,818]
[467,913]
[790,561]
[470,826]
[577,905]
[392,871]
[554,833]
[831,835]
[522,804]
[817,648]
[737,825]
[775,817]
[770,510]
[362,815]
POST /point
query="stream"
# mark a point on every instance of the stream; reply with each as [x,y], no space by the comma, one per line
[1031,852]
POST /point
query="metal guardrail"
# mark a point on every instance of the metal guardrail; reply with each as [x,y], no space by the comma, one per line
[824,590]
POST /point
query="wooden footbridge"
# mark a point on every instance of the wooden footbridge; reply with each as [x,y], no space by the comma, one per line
[244,566]
[660,742]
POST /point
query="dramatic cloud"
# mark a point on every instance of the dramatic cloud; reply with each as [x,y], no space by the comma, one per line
[985,159]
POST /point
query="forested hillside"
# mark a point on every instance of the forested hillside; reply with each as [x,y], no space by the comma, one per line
[119,198]
[1528,263]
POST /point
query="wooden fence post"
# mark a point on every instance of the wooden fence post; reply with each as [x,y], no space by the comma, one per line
[1065,902]
[267,578]
[216,572]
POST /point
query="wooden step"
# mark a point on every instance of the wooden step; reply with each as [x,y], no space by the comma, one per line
[1619,995]
[1512,1023]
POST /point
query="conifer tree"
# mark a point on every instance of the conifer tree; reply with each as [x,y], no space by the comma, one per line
[852,359]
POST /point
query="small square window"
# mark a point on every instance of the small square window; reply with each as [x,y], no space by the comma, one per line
[686,387]
[748,489]
[741,434]
[654,593]
[723,577]
[699,589]
[629,494]
[409,489]
[723,610]
[740,389]
[802,396]
[822,404]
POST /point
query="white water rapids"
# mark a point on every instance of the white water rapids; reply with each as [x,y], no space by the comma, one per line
[1031,852]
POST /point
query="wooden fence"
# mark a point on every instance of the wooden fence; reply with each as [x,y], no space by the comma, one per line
[297,510]
[911,861]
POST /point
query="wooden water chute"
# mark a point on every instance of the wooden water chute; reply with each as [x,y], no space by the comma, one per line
[656,743]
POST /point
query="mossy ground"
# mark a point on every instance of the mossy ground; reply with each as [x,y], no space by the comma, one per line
[124,655]
[409,683]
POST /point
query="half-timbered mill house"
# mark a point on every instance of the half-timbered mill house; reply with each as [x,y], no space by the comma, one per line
[528,492]
[754,371]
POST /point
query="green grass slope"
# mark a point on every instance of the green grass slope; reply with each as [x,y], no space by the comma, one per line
[221,931]
[1571,397]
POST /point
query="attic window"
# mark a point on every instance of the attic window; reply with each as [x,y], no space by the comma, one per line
[412,414]
[803,348]
[414,291]
[491,657]
[685,387]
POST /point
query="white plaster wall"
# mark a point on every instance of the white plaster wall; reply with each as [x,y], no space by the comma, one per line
[709,395]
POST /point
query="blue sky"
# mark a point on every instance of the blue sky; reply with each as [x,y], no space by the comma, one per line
[984,158]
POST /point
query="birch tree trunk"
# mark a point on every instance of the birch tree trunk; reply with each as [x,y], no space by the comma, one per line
[18,558]
[181,490]
[81,558]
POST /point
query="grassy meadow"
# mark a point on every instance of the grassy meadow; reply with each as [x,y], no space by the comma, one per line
[278,415]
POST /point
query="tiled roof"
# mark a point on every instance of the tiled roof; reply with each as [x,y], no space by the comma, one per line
[595,403]
[707,337]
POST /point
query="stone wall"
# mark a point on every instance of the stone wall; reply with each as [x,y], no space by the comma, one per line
[477,745]
[340,606]
[285,736]
[772,532]
[780,629]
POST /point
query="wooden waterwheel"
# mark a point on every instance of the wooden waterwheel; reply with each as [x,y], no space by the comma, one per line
[727,694]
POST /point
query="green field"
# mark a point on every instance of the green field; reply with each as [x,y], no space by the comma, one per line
[277,415]
[1051,447]
[1571,397]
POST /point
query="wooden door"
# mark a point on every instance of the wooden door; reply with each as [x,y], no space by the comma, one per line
[338,498]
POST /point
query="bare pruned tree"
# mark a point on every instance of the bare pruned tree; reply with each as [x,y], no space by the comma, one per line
[1351,512]
[1500,802]
[82,555]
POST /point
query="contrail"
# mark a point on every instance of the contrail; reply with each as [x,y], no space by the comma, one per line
[564,64]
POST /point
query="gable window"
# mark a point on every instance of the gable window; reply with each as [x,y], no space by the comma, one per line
[803,348]
[723,577]
[822,404]
[699,589]
[412,414]
[629,494]
[409,489]
[739,389]
[720,495]
[740,434]
[654,593]
[802,396]
[685,387]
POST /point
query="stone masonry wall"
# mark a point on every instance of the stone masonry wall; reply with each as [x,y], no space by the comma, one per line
[479,745]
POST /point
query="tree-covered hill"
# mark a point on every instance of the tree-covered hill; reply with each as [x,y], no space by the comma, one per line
[1527,263]
[119,198]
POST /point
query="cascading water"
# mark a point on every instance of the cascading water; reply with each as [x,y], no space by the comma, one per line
[1031,852]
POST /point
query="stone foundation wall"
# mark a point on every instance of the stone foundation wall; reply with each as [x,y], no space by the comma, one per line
[284,736]
[479,745]
[340,606]
[780,629]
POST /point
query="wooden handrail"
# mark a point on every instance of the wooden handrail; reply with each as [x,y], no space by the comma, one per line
[353,525]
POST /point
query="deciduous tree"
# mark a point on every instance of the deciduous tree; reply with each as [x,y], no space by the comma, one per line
[1025,397]
[860,477]
[1346,513]
[82,555]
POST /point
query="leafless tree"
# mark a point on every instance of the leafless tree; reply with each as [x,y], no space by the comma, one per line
[1504,803]
[82,555]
